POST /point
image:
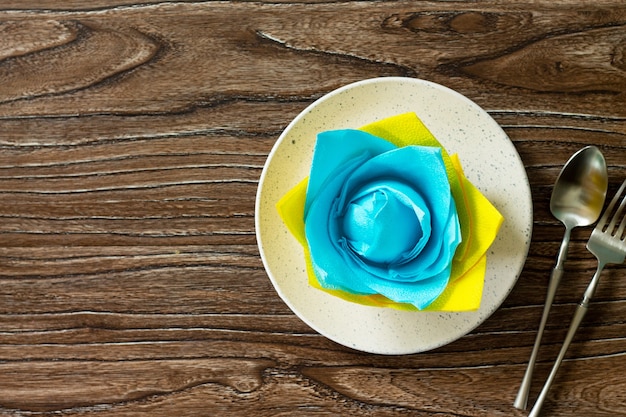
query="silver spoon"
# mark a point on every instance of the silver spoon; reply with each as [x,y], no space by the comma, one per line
[577,200]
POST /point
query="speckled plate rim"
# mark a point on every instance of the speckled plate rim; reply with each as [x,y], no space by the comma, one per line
[490,161]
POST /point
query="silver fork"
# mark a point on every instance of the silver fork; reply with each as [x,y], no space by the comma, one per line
[607,244]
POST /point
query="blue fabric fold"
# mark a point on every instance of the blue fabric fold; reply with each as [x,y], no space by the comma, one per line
[380,219]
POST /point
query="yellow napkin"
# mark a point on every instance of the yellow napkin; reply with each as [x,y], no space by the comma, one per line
[479,220]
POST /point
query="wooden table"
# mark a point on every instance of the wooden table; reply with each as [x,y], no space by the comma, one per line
[132,139]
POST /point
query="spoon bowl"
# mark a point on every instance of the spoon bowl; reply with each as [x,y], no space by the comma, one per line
[577,200]
[580,189]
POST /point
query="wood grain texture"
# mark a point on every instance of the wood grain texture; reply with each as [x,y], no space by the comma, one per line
[132,139]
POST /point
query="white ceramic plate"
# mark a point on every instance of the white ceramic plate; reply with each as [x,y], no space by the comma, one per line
[490,162]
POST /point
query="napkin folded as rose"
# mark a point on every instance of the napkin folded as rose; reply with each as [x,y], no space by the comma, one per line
[387,218]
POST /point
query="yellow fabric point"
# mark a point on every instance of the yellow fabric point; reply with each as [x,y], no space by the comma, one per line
[464,292]
[481,233]
[402,130]
[291,210]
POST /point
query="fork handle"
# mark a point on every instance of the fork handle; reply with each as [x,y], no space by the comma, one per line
[581,310]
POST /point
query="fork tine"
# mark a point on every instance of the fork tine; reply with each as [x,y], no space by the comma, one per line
[618,212]
[622,225]
[609,210]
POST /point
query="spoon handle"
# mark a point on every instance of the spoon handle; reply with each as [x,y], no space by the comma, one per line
[521,401]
